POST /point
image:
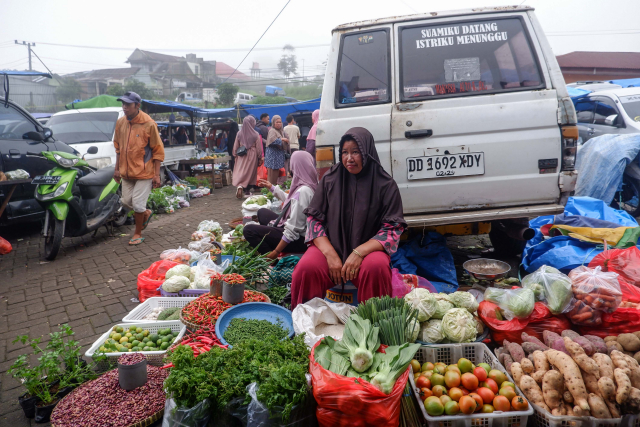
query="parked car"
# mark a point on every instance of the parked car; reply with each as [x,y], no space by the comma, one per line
[20,133]
[614,111]
[242,98]
[469,111]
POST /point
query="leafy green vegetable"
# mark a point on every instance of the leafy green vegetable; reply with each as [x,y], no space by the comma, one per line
[241,329]
[392,364]
[359,341]
[458,325]
[464,300]
[559,296]
[431,331]
[443,307]
[520,302]
[423,301]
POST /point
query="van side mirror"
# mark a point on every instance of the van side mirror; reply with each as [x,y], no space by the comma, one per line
[92,150]
[34,136]
[48,133]
[611,120]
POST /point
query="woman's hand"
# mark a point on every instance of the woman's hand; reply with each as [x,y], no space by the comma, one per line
[285,140]
[335,269]
[351,267]
[264,183]
[273,254]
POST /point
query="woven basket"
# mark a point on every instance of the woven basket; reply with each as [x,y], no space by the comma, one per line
[235,222]
[194,327]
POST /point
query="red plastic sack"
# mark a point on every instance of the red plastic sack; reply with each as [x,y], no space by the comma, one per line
[262,172]
[402,284]
[345,401]
[539,321]
[625,262]
[152,278]
[621,321]
[5,246]
[282,172]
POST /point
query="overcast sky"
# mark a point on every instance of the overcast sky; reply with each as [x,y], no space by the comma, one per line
[204,26]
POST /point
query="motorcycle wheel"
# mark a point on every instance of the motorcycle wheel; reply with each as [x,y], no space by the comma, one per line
[628,199]
[120,216]
[53,241]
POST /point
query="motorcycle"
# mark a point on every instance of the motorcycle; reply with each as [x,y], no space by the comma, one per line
[77,199]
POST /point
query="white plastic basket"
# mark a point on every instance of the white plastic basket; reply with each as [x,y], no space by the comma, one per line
[137,314]
[476,352]
[153,357]
[542,418]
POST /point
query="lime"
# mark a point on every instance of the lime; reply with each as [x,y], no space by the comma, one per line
[164,346]
[124,340]
[135,343]
[145,332]
[145,340]
[103,349]
[139,336]
[119,329]
[128,335]
[138,330]
[117,337]
[153,337]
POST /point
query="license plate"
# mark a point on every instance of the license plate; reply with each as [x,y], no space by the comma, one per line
[45,180]
[449,165]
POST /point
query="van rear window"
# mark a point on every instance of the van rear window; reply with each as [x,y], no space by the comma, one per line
[466,58]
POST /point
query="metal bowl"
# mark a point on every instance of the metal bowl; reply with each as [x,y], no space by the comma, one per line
[486,269]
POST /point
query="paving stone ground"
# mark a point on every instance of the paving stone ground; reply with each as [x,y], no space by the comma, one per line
[90,285]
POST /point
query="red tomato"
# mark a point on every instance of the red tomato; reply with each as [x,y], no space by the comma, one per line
[507,392]
[465,392]
[452,379]
[486,394]
[455,393]
[438,390]
[423,382]
[469,381]
[467,405]
[478,400]
[519,403]
[501,403]
[424,393]
[480,373]
[492,385]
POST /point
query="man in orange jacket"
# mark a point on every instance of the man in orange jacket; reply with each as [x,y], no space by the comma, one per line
[139,153]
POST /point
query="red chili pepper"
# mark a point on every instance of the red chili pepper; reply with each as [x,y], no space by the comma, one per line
[170,365]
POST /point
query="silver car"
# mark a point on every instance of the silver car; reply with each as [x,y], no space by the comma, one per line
[614,111]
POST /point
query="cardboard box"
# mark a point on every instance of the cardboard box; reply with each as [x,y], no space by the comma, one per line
[226,177]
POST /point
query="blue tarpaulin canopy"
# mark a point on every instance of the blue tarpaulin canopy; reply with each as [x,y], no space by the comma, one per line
[7,73]
[576,93]
[282,110]
[626,82]
[192,111]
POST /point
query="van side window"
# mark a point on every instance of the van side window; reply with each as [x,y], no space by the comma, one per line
[466,58]
[363,69]
[584,110]
[13,124]
[604,108]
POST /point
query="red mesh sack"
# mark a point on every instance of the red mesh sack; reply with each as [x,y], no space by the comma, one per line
[621,321]
[345,401]
[5,246]
[152,278]
[625,262]
[539,321]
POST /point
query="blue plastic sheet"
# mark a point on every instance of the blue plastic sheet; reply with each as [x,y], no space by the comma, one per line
[428,256]
[626,82]
[563,252]
[601,162]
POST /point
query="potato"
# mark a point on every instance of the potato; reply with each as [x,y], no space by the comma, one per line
[532,391]
[608,392]
[516,372]
[637,333]
[610,338]
[629,342]
[614,345]
[637,356]
[586,363]
[552,386]
[624,386]
[598,343]
[590,382]
[605,365]
[527,366]
[633,402]
[598,407]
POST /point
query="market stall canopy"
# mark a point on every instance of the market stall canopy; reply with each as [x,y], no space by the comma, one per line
[7,73]
[282,110]
[100,101]
[220,113]
[168,107]
[626,82]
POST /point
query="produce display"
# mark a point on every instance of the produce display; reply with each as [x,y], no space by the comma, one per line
[252,266]
[514,303]
[241,329]
[550,286]
[237,248]
[180,255]
[256,200]
[266,193]
[212,227]
[200,342]
[595,291]
[276,294]
[183,277]
[135,338]
[205,310]
[102,402]
[464,388]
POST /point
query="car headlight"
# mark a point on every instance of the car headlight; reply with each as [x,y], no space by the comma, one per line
[99,163]
[65,162]
[59,192]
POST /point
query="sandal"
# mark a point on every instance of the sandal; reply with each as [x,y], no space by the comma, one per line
[136,241]
[239,193]
[144,224]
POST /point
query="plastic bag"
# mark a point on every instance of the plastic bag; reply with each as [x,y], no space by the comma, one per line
[583,314]
[540,320]
[202,245]
[180,255]
[199,235]
[345,401]
[318,318]
[152,278]
[276,206]
[402,284]
[198,416]
[5,246]
[212,227]
[17,174]
[515,303]
[551,287]
[596,288]
[625,262]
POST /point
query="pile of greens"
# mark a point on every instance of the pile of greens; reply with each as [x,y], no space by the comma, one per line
[241,329]
[257,200]
[278,366]
[266,193]
[252,266]
[238,248]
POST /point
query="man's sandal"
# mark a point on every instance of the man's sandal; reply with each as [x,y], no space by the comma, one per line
[136,241]
[144,224]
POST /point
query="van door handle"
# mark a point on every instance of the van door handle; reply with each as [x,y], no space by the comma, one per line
[420,133]
[591,131]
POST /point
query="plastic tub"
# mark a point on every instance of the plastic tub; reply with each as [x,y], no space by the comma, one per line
[476,353]
[131,377]
[137,314]
[542,418]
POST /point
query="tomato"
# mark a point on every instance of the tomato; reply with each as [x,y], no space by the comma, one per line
[519,403]
[438,390]
[455,393]
[454,368]
[434,406]
[416,376]
[498,376]
[489,383]
[487,409]
[445,399]
[440,368]
[486,394]
[478,400]
[507,392]
[451,408]
[415,365]
[424,393]
[485,366]
[427,366]
[426,374]
[501,403]
[480,373]
[423,382]
[468,405]
[437,379]
[452,379]
[465,365]
[465,392]
[508,384]
[469,381]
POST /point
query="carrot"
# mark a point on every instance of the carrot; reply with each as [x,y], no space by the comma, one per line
[581,317]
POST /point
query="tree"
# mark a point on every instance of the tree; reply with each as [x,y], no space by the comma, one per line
[115,90]
[288,63]
[138,87]
[226,93]
[68,90]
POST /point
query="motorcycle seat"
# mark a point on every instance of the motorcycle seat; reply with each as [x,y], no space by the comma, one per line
[100,177]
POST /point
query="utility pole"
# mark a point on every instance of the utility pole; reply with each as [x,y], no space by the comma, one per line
[303,72]
[29,45]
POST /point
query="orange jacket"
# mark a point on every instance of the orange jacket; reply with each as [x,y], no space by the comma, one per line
[138,142]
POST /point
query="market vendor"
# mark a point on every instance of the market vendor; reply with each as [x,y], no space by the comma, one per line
[354,224]
[286,232]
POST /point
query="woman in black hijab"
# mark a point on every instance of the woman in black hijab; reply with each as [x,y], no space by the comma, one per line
[354,224]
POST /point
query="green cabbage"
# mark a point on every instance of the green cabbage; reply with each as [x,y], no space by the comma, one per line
[459,325]
[519,303]
[178,270]
[443,307]
[464,300]
[559,296]
[494,295]
[412,331]
[431,331]
[176,284]
[423,301]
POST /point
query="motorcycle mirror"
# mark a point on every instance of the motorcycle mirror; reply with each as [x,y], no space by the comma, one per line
[92,150]
[34,136]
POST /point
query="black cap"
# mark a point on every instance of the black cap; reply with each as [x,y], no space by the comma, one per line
[130,98]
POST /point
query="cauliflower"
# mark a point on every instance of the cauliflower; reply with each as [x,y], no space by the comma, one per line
[178,270]
[422,300]
[176,284]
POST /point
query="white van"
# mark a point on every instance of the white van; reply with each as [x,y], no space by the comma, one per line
[242,98]
[469,112]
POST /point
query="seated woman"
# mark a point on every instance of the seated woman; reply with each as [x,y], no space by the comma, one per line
[286,232]
[354,223]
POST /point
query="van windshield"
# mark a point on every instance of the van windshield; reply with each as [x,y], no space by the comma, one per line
[466,58]
[83,127]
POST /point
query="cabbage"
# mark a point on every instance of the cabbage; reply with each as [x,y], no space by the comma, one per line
[494,295]
[459,325]
[412,331]
[422,300]
[202,282]
[443,307]
[431,331]
[179,270]
[464,300]
[192,273]
[519,303]
[176,284]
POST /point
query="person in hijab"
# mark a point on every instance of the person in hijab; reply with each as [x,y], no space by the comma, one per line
[276,146]
[286,232]
[354,224]
[311,138]
[181,136]
[245,170]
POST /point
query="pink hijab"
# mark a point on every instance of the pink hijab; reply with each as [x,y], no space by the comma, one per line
[248,135]
[304,173]
[314,118]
